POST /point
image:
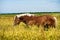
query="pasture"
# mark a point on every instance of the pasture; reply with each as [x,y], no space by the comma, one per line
[22,32]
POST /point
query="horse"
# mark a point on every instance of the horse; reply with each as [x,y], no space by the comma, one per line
[29,19]
[19,18]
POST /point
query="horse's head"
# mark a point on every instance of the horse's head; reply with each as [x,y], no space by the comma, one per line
[17,20]
[22,18]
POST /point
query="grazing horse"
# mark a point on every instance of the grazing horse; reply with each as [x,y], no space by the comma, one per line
[19,18]
[30,19]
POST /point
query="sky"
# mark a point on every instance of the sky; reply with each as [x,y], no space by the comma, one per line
[17,6]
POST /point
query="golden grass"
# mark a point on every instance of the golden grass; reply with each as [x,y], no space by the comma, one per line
[22,32]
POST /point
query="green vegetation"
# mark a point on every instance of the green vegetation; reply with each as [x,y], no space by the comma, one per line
[22,32]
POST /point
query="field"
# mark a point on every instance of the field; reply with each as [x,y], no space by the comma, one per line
[22,32]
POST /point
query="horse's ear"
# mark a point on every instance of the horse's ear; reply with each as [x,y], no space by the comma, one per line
[15,17]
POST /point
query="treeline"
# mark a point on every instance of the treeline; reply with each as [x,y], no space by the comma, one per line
[27,12]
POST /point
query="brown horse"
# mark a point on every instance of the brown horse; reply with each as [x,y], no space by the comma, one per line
[44,20]
[22,18]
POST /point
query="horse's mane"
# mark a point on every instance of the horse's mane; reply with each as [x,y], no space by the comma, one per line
[24,15]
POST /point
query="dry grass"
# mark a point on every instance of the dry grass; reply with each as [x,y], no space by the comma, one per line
[19,32]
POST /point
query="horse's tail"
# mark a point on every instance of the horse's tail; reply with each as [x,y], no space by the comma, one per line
[55,21]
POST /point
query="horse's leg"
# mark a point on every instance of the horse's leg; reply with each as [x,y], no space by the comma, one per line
[38,26]
[46,27]
[26,26]
[54,25]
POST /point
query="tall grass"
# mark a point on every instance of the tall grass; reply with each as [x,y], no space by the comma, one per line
[22,32]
